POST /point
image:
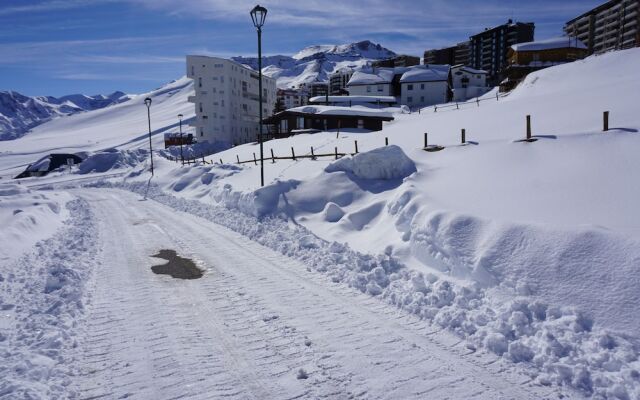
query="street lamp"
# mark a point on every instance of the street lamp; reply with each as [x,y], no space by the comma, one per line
[181,156]
[147,102]
[258,15]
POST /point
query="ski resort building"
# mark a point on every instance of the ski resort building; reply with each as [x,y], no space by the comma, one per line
[610,26]
[226,99]
[314,118]
[468,82]
[338,81]
[488,49]
[415,86]
[458,54]
[291,98]
[525,58]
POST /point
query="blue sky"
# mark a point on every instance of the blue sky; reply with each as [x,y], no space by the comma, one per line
[57,47]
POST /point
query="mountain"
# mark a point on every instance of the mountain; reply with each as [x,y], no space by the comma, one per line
[20,113]
[316,63]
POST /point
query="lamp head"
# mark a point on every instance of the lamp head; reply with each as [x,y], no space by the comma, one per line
[180,116]
[147,101]
[258,15]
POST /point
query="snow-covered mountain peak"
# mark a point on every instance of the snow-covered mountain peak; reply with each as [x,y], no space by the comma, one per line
[316,63]
[363,49]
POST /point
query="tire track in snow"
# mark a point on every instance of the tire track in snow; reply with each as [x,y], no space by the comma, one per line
[262,307]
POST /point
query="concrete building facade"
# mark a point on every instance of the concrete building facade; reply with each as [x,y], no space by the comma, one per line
[338,81]
[488,49]
[610,26]
[226,100]
[458,54]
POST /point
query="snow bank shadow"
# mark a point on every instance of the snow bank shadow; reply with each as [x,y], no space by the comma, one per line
[177,267]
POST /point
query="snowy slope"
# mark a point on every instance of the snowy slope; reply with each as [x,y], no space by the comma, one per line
[19,113]
[316,63]
[123,125]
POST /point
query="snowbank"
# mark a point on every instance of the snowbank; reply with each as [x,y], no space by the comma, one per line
[387,162]
[110,159]
[42,299]
[28,216]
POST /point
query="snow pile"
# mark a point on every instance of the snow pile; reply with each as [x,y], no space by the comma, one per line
[110,159]
[387,162]
[42,299]
[28,216]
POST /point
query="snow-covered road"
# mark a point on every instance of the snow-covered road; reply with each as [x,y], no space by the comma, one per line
[254,326]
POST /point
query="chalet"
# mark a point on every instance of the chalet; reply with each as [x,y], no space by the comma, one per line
[323,118]
[525,58]
[468,82]
[415,86]
[367,101]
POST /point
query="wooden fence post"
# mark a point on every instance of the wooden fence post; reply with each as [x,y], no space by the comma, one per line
[313,156]
[238,158]
[386,141]
[426,143]
[605,121]
[293,154]
[336,152]
[255,161]
[273,159]
[435,108]
[463,134]
[528,127]
[221,162]
[356,143]
[497,96]
[457,108]
[478,101]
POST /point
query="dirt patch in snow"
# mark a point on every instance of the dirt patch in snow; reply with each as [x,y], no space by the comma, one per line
[176,266]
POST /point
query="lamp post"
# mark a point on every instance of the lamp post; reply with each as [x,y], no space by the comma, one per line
[147,102]
[181,156]
[258,15]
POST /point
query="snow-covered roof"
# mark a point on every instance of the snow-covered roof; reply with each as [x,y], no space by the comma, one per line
[423,73]
[470,70]
[353,99]
[382,75]
[337,110]
[553,43]
[415,73]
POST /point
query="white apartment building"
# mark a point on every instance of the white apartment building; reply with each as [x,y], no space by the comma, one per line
[226,100]
[291,98]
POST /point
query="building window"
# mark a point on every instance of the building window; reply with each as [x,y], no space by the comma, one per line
[200,107]
[360,124]
[193,70]
[409,99]
[368,89]
[422,86]
[200,82]
[409,87]
[422,99]
[221,103]
[380,88]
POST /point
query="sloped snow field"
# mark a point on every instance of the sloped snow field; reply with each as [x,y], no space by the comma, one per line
[525,252]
